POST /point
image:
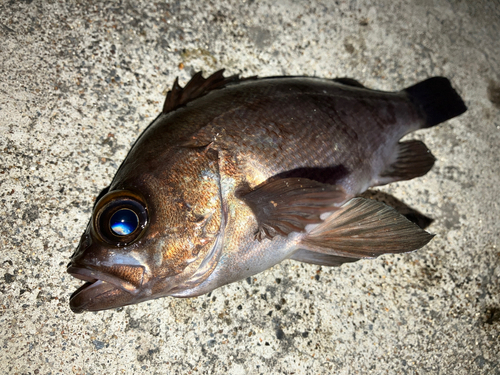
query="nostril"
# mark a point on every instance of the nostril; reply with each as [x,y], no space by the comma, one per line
[85,242]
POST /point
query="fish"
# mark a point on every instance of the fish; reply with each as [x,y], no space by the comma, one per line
[237,174]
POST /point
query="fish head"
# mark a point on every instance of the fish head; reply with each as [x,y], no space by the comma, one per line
[156,232]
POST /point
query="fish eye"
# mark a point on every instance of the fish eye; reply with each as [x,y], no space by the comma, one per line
[123,222]
[120,217]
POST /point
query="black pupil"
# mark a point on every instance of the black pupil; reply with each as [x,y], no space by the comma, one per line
[123,222]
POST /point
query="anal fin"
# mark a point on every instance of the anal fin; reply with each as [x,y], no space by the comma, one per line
[306,256]
[361,228]
[413,160]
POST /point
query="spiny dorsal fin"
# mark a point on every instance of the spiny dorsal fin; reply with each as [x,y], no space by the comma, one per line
[196,88]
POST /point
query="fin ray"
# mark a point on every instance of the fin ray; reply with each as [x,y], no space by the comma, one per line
[364,228]
[288,205]
[197,87]
[321,259]
[413,160]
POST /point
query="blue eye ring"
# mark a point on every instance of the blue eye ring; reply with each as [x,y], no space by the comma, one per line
[120,217]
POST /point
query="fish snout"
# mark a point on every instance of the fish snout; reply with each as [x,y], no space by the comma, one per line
[107,287]
[112,278]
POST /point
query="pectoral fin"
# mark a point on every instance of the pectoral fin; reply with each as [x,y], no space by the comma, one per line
[361,228]
[288,205]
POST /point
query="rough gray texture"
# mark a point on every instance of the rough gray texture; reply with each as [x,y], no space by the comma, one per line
[80,81]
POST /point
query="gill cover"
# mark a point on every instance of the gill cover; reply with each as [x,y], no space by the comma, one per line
[136,249]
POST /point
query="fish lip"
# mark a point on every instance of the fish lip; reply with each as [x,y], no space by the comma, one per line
[92,276]
[102,291]
[88,304]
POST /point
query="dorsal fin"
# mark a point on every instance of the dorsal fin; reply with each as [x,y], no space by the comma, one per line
[196,88]
[349,82]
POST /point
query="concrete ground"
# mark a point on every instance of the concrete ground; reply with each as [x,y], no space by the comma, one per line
[79,81]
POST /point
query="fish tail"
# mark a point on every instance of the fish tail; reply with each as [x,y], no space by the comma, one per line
[437,100]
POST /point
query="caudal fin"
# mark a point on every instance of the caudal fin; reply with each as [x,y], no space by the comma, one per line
[437,100]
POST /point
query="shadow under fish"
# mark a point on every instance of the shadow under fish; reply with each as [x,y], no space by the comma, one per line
[410,213]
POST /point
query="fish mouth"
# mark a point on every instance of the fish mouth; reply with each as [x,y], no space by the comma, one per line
[100,291]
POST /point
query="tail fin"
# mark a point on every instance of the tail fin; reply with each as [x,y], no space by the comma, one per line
[437,99]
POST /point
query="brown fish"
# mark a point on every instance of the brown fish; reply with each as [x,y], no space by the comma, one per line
[236,175]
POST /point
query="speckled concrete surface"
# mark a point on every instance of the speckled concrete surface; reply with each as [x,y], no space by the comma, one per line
[79,81]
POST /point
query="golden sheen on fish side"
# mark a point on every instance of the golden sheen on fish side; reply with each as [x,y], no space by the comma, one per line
[236,175]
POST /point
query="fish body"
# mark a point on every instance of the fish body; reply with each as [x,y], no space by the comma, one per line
[236,175]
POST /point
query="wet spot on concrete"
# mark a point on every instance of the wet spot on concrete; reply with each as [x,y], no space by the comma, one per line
[492,315]
[98,344]
[9,278]
[31,214]
[349,47]
[494,93]
[149,354]
[132,324]
[280,335]
[259,36]
[451,215]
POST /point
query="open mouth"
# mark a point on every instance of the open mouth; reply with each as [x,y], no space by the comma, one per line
[89,281]
[101,291]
